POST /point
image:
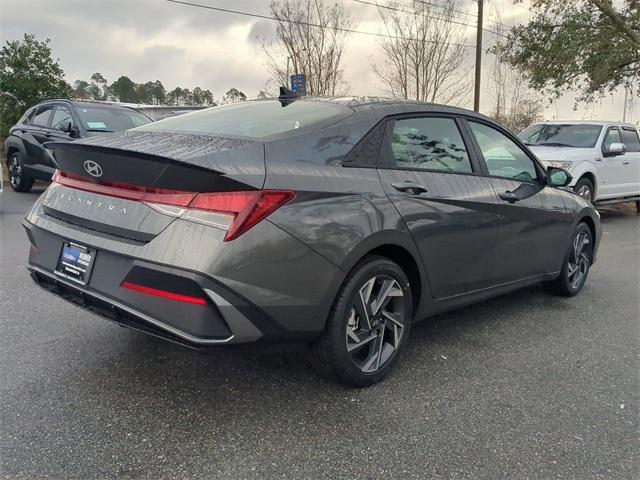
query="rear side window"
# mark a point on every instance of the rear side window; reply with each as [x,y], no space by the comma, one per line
[429,143]
[504,158]
[630,139]
[253,119]
[28,115]
[41,118]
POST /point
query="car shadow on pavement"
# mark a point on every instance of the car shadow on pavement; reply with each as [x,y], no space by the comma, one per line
[617,211]
[153,365]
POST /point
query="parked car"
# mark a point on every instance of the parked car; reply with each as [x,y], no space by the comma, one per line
[59,120]
[335,222]
[602,157]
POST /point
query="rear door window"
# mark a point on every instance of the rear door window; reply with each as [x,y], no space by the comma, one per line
[630,139]
[42,116]
[28,115]
[429,143]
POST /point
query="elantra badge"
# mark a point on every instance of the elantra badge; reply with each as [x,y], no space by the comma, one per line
[92,168]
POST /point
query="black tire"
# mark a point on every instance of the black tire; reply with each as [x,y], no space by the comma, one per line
[568,284]
[388,317]
[18,180]
[585,188]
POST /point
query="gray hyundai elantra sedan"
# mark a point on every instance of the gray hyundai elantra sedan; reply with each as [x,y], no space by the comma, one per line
[335,222]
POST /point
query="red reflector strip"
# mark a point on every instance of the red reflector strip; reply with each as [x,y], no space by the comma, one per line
[163,294]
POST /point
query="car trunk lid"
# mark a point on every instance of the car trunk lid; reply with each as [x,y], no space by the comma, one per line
[134,184]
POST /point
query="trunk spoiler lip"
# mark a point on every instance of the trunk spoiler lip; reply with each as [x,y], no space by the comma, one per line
[124,152]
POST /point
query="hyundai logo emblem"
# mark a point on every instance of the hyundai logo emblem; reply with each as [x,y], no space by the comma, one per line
[93,168]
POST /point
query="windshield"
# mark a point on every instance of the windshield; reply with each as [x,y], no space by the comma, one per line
[104,119]
[556,135]
[257,119]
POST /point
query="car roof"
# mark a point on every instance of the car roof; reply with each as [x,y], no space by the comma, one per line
[602,123]
[390,105]
[92,103]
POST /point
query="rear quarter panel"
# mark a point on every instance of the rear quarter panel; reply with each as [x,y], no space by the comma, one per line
[340,212]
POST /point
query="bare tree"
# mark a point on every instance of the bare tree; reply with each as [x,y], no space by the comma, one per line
[424,53]
[516,106]
[310,38]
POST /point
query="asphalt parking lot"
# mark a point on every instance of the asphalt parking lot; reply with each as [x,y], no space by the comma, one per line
[523,386]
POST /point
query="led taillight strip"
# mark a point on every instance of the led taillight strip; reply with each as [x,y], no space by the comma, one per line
[127,191]
[245,208]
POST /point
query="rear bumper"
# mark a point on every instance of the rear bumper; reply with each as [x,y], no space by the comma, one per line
[256,288]
[240,329]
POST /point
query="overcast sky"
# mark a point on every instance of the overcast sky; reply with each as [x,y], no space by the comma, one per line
[188,47]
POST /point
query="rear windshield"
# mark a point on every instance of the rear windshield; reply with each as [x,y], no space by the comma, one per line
[104,119]
[256,119]
[555,135]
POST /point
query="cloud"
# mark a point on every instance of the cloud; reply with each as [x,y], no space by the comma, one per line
[262,31]
[188,47]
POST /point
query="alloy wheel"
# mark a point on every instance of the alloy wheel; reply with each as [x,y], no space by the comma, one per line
[15,171]
[579,260]
[376,323]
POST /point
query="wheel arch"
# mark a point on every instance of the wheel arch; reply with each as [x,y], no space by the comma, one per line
[588,174]
[590,223]
[12,145]
[590,219]
[400,249]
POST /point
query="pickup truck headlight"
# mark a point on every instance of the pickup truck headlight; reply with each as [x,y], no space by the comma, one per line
[564,165]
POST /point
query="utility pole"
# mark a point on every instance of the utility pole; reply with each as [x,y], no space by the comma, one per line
[288,77]
[476,93]
[626,102]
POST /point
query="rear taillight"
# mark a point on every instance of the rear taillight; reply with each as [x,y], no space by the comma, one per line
[247,208]
[236,212]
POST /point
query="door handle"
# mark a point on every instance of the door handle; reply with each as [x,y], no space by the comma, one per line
[410,188]
[509,197]
[626,163]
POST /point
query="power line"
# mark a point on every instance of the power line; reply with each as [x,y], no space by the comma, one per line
[462,12]
[398,3]
[398,9]
[446,20]
[309,24]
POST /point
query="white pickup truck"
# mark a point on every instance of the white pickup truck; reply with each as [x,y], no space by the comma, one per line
[602,157]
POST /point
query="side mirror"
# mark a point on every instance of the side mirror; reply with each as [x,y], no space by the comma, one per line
[73,130]
[558,177]
[616,149]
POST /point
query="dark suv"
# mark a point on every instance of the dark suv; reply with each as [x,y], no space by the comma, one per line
[60,120]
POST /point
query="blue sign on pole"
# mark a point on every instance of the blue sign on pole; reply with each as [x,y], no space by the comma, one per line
[299,84]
